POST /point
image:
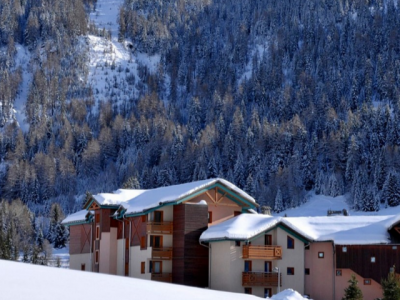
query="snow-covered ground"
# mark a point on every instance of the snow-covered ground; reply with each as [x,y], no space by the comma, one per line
[288,294]
[20,281]
[318,205]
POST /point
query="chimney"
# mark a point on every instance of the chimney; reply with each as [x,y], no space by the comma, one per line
[266,210]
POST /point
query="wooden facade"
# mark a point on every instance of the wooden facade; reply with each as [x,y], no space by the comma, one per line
[368,261]
[262,252]
[80,239]
[261,279]
[190,259]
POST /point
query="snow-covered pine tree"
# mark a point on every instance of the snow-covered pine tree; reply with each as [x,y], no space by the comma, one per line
[391,190]
[278,206]
[391,286]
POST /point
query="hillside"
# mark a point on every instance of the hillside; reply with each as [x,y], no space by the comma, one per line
[280,98]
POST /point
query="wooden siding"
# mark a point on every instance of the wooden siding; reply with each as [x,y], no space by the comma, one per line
[162,253]
[79,239]
[164,277]
[260,279]
[138,229]
[358,259]
[262,252]
[190,259]
[159,227]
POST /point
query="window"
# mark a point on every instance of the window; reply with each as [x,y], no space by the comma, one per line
[394,247]
[267,292]
[338,272]
[142,267]
[143,242]
[268,240]
[247,266]
[267,267]
[344,249]
[96,257]
[157,267]
[290,242]
[144,218]
[156,241]
[321,254]
[209,217]
[307,271]
[83,267]
[158,216]
[367,281]
[290,271]
[237,243]
[97,232]
[373,259]
[248,291]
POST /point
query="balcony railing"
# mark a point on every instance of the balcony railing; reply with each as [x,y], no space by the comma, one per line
[159,227]
[162,253]
[163,277]
[260,279]
[262,252]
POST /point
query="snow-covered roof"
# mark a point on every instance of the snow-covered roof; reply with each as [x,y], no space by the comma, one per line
[80,216]
[138,201]
[345,230]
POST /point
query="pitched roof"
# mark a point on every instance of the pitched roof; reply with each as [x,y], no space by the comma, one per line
[140,201]
[81,216]
[345,230]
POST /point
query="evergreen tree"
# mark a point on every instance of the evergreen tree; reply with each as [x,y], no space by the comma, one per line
[391,190]
[353,292]
[391,286]
[278,207]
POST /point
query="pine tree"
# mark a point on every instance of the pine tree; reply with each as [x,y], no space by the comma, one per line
[353,292]
[278,207]
[391,286]
[391,190]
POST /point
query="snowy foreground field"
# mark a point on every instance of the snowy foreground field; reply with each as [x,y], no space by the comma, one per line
[19,281]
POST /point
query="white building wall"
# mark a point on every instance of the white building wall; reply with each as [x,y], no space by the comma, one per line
[120,257]
[136,257]
[227,264]
[76,261]
[104,258]
[291,258]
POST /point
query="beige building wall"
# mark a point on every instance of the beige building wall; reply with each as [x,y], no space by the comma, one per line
[168,213]
[227,264]
[370,292]
[120,257]
[76,261]
[137,257]
[293,258]
[319,284]
[108,252]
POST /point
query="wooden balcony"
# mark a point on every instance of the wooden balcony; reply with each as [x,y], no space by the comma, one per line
[159,227]
[163,277]
[262,252]
[162,253]
[260,279]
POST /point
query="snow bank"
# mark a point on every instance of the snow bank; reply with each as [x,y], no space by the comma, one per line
[288,294]
[20,281]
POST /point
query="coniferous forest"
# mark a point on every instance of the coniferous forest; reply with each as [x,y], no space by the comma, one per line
[278,97]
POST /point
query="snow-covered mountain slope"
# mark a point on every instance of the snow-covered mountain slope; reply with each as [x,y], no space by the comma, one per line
[318,205]
[113,66]
[19,281]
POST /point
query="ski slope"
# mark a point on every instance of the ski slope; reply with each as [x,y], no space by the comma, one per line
[20,281]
